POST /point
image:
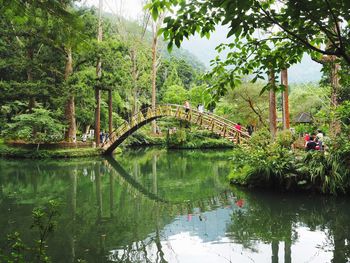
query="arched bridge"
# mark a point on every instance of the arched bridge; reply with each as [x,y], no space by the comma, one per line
[221,126]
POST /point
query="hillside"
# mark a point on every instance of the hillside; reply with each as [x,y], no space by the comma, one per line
[132,27]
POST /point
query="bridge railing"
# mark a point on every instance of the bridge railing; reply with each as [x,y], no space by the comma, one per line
[132,121]
[218,119]
[209,120]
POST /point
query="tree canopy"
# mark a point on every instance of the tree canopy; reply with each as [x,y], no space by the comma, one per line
[265,35]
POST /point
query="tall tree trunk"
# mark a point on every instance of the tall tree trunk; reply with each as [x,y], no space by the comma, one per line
[335,124]
[154,72]
[30,56]
[154,75]
[70,105]
[274,248]
[99,74]
[285,100]
[97,115]
[110,112]
[134,80]
[272,104]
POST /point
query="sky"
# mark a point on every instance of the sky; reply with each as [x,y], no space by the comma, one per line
[204,49]
[130,9]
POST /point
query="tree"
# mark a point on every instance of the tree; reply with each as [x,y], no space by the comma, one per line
[175,94]
[285,32]
[307,23]
[46,128]
[98,76]
[245,105]
[155,64]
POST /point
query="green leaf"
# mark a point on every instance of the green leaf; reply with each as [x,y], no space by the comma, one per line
[155,13]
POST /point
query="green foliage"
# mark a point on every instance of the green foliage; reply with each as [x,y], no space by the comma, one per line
[343,113]
[17,249]
[196,139]
[308,98]
[44,223]
[18,152]
[34,51]
[245,104]
[198,95]
[302,128]
[270,166]
[274,165]
[330,171]
[177,138]
[141,138]
[285,138]
[38,126]
[175,94]
[249,53]
[261,138]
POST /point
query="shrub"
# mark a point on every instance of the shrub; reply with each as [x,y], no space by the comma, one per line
[269,166]
[177,138]
[38,126]
[285,138]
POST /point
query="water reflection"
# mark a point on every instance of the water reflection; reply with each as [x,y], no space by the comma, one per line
[159,206]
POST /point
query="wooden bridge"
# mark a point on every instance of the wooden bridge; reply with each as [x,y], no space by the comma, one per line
[216,124]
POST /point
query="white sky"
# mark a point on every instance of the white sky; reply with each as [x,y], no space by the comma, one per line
[130,9]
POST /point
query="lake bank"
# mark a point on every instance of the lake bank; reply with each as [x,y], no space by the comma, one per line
[179,140]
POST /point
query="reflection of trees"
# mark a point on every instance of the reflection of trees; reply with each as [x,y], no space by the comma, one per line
[181,175]
[274,218]
[133,226]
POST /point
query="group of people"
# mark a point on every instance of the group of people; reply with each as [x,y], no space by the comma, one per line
[314,141]
[187,107]
[103,137]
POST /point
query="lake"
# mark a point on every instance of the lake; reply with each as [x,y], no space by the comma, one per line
[155,205]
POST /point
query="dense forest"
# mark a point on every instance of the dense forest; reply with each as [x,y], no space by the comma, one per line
[48,74]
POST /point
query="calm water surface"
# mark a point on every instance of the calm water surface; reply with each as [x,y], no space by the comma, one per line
[160,206]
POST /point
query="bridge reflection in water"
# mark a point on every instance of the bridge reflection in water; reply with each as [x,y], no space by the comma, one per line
[159,206]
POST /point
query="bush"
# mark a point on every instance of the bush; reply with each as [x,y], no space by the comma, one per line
[197,139]
[177,138]
[285,138]
[37,127]
[140,138]
[270,166]
[260,138]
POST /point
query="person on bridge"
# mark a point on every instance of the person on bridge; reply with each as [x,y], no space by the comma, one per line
[238,127]
[250,129]
[187,106]
[200,108]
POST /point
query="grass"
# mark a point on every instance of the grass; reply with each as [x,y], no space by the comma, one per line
[17,152]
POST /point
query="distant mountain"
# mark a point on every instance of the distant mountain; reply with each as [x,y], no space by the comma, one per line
[133,27]
[181,53]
